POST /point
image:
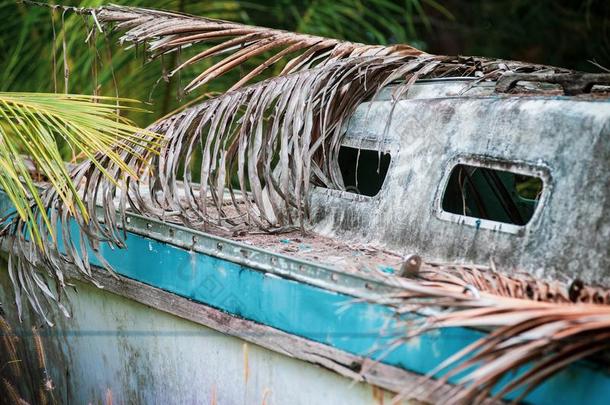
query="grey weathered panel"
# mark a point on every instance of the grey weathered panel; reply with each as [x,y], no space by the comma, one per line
[565,140]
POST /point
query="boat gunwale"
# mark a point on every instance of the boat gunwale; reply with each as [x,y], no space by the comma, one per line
[317,274]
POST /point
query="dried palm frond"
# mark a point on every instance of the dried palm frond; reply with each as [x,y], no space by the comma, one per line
[259,149]
[12,396]
[30,122]
[517,285]
[24,375]
[530,339]
[169,32]
[272,141]
[545,337]
[10,360]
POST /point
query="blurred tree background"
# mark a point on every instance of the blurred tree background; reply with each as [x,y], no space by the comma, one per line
[33,39]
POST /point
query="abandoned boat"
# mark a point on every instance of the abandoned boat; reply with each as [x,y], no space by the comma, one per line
[372,221]
[478,176]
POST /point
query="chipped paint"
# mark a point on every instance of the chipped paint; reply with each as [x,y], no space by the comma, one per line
[502,130]
[297,308]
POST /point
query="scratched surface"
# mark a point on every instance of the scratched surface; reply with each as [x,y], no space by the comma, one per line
[565,140]
[304,310]
[354,257]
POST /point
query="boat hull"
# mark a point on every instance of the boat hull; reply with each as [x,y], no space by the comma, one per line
[115,346]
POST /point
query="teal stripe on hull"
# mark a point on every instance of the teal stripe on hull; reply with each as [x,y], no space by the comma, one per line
[317,314]
[320,315]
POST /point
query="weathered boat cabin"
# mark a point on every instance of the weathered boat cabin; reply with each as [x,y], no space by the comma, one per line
[465,172]
[510,175]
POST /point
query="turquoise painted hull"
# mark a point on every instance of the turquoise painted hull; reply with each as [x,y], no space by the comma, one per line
[321,315]
[305,308]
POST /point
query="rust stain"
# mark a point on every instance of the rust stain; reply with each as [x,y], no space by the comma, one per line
[246,365]
[213,400]
[378,394]
[266,395]
[108,396]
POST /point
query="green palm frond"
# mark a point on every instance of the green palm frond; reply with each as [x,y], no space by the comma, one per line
[32,124]
[34,40]
[379,21]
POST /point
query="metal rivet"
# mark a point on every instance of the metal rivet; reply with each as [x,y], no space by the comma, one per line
[334,277]
[128,220]
[219,246]
[149,225]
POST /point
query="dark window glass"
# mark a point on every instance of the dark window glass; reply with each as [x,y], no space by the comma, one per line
[491,194]
[363,170]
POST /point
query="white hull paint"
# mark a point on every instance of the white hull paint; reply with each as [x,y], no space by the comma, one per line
[140,355]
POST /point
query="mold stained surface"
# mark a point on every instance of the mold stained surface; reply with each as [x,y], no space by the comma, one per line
[564,141]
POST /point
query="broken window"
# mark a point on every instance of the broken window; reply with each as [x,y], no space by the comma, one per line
[495,195]
[363,170]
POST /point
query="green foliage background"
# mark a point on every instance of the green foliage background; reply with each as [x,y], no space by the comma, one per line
[558,32]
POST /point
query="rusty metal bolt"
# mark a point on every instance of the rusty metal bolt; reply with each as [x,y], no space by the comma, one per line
[410,266]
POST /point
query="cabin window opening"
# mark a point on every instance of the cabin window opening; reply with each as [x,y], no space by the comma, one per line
[490,194]
[363,170]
